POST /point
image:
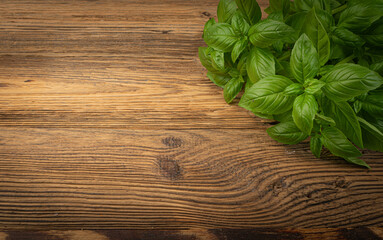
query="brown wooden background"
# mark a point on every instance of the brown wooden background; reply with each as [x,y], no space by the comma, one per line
[108,121]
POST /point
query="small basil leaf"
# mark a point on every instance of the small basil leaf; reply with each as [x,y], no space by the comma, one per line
[357,161]
[345,37]
[287,133]
[304,109]
[217,60]
[372,136]
[232,88]
[234,73]
[286,71]
[377,67]
[219,80]
[266,32]
[316,146]
[280,6]
[209,23]
[357,106]
[324,120]
[312,86]
[344,118]
[294,89]
[315,30]
[374,34]
[226,10]
[248,85]
[325,69]
[238,48]
[304,59]
[297,20]
[335,141]
[307,5]
[277,16]
[206,60]
[221,36]
[241,67]
[373,104]
[346,81]
[239,23]
[250,10]
[266,96]
[260,64]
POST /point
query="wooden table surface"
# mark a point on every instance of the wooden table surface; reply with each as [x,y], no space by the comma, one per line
[108,121]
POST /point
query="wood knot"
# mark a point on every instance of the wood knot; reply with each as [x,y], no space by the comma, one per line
[28,80]
[340,182]
[172,142]
[169,168]
[207,14]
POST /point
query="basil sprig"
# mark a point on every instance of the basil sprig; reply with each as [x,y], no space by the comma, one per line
[313,65]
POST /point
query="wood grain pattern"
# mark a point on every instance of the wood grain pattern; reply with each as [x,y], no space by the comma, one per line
[107,121]
[199,234]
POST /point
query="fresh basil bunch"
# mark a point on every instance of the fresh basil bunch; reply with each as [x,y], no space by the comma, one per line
[315,66]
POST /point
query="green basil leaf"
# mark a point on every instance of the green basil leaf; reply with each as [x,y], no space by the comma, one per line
[206,61]
[374,34]
[250,10]
[284,117]
[238,48]
[241,67]
[208,24]
[232,88]
[346,81]
[266,32]
[297,20]
[312,86]
[304,109]
[307,5]
[325,69]
[373,104]
[287,133]
[217,60]
[219,80]
[335,141]
[286,71]
[372,136]
[358,17]
[326,19]
[260,64]
[316,146]
[344,118]
[234,73]
[280,6]
[357,161]
[239,23]
[315,30]
[343,36]
[340,51]
[226,10]
[221,36]
[277,16]
[304,59]
[324,120]
[377,67]
[248,85]
[294,89]
[266,96]
[357,106]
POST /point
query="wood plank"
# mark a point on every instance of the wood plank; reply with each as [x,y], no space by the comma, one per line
[200,234]
[94,179]
[109,64]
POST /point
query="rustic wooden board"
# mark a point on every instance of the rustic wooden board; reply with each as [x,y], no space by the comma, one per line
[362,233]
[108,121]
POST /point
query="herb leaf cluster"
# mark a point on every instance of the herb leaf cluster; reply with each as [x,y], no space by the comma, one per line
[315,66]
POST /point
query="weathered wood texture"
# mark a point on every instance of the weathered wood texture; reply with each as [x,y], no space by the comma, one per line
[108,121]
[199,234]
